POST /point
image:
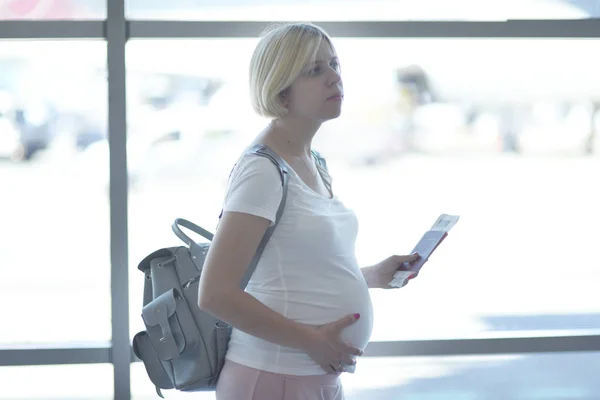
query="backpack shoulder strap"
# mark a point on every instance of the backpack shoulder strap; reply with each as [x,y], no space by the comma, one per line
[320,159]
[265,151]
[322,167]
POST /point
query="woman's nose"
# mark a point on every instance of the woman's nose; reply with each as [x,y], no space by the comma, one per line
[334,77]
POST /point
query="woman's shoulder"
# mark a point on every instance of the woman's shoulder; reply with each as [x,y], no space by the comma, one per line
[249,161]
[254,168]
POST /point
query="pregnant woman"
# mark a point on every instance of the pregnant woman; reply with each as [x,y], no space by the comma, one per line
[306,314]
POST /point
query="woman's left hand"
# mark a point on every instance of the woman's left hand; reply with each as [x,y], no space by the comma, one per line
[381,274]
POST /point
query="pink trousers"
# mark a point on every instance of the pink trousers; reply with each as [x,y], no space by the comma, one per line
[238,382]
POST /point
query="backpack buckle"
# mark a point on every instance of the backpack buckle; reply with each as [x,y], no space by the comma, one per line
[189,283]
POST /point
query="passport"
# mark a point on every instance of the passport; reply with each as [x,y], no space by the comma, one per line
[425,248]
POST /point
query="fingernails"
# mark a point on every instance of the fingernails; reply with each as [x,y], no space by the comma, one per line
[356,316]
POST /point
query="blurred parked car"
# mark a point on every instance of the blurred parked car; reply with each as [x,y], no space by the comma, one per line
[559,128]
[10,137]
[33,122]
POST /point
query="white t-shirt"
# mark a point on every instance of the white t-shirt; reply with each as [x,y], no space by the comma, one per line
[308,271]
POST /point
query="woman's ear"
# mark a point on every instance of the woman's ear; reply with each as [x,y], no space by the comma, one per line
[284,96]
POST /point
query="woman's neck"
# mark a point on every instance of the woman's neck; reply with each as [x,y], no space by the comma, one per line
[292,135]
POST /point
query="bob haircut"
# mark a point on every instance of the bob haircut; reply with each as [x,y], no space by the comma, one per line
[278,60]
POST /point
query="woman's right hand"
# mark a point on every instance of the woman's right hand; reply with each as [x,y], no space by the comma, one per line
[328,349]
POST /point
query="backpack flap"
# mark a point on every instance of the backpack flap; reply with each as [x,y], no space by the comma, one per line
[163,326]
[143,349]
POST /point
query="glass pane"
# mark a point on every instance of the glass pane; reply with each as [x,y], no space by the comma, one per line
[491,133]
[177,143]
[526,377]
[359,10]
[522,376]
[55,275]
[52,9]
[60,382]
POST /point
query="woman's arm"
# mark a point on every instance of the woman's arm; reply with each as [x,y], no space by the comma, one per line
[231,251]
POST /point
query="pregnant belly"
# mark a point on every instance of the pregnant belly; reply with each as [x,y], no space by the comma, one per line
[321,304]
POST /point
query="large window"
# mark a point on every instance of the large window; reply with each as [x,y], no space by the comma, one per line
[504,132]
[55,282]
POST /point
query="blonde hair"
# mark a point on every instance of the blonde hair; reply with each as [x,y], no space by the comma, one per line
[278,59]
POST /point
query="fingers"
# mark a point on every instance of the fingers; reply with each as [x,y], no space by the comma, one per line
[339,366]
[331,369]
[348,360]
[339,362]
[338,354]
[346,321]
[407,280]
[409,258]
[349,349]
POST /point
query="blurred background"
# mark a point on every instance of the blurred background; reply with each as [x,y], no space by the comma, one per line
[504,132]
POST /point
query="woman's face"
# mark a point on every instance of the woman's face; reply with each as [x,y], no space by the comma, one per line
[318,92]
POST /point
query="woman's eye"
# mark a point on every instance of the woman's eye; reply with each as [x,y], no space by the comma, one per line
[319,69]
[315,71]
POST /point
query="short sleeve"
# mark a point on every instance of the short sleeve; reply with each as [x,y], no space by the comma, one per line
[254,188]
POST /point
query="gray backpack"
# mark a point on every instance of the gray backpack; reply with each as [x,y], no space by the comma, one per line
[184,347]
